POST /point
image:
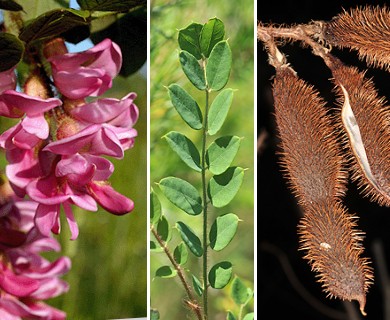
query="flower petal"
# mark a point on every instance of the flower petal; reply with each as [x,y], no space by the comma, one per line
[45,218]
[20,102]
[17,285]
[36,125]
[109,199]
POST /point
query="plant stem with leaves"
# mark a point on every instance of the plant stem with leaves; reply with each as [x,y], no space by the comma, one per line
[206,59]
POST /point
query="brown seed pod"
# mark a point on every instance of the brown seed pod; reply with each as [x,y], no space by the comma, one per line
[366,30]
[366,121]
[311,157]
[333,247]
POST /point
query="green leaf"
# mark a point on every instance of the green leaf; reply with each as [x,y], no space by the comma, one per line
[220,274]
[222,188]
[182,194]
[11,52]
[185,149]
[155,208]
[181,254]
[218,66]
[154,314]
[212,32]
[54,23]
[186,106]
[249,316]
[132,39]
[10,5]
[163,229]
[190,239]
[155,247]
[230,316]
[188,39]
[110,5]
[165,272]
[219,110]
[198,287]
[221,152]
[223,230]
[192,70]
[241,294]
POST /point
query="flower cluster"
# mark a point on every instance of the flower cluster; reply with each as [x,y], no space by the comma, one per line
[26,278]
[56,151]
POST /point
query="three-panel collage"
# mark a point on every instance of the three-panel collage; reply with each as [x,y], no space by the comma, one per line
[194,159]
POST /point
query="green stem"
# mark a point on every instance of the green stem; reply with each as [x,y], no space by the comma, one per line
[204,188]
[241,310]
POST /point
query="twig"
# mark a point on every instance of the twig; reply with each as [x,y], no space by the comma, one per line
[179,270]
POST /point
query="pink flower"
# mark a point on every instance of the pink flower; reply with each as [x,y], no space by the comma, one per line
[89,73]
[26,278]
[15,104]
[77,180]
[103,127]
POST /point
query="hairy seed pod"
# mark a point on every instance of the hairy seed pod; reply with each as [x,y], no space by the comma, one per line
[311,158]
[366,121]
[366,30]
[313,164]
[333,247]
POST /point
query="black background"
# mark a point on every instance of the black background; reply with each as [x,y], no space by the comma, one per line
[278,214]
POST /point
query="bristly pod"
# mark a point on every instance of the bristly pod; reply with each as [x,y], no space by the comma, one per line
[311,157]
[366,30]
[366,121]
[333,248]
[314,166]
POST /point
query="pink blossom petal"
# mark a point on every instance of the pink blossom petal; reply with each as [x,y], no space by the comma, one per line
[45,191]
[17,285]
[82,83]
[12,308]
[25,140]
[50,288]
[109,57]
[20,102]
[74,229]
[77,169]
[45,218]
[51,270]
[73,144]
[43,244]
[84,201]
[103,110]
[36,125]
[106,55]
[106,143]
[94,139]
[110,199]
[43,311]
[104,167]
[23,168]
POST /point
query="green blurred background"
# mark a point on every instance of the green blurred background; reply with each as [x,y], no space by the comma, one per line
[167,295]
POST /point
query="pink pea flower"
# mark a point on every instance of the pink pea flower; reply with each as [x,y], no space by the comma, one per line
[26,165]
[103,127]
[88,73]
[14,104]
[26,278]
[77,180]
